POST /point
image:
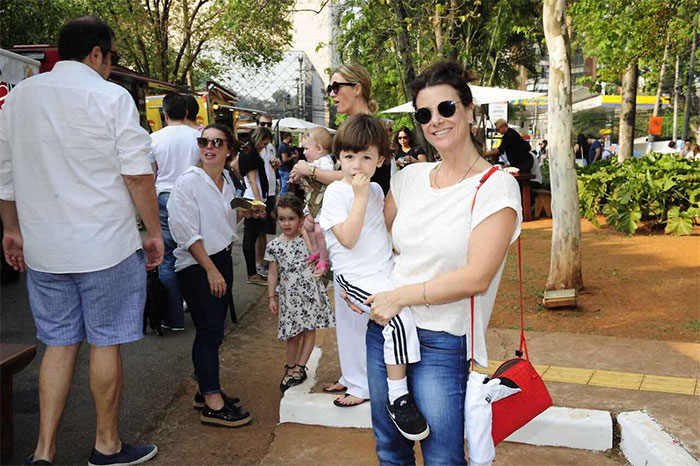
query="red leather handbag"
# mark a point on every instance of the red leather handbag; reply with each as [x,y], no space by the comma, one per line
[513,412]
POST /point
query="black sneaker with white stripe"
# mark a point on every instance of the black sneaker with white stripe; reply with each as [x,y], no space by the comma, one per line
[407,418]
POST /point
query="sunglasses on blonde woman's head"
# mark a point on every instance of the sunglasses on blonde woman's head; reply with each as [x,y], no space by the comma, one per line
[446,109]
[203,143]
[335,86]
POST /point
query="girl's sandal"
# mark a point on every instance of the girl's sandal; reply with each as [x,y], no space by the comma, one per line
[320,269]
[312,258]
[287,379]
[300,374]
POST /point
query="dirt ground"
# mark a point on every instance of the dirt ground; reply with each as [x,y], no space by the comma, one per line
[644,286]
[636,287]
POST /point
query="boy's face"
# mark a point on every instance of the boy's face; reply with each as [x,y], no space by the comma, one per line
[312,150]
[365,162]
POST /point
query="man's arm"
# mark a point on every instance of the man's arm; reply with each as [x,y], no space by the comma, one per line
[598,153]
[12,243]
[143,194]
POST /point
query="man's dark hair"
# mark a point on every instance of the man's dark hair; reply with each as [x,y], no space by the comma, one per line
[444,72]
[672,144]
[687,140]
[77,38]
[358,133]
[174,106]
[192,107]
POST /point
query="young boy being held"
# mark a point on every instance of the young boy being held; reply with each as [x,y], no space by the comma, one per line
[317,146]
[352,218]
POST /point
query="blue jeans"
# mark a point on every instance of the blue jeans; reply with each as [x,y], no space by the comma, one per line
[166,270]
[438,384]
[284,182]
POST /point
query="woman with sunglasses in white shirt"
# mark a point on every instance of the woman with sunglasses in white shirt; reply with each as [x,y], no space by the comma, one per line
[203,224]
[445,254]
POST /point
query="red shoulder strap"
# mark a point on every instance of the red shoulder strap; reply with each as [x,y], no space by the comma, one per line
[523,343]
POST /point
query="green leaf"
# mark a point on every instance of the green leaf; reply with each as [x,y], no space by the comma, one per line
[679,223]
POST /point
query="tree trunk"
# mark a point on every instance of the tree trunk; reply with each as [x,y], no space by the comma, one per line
[628,113]
[659,86]
[676,91]
[565,259]
[690,93]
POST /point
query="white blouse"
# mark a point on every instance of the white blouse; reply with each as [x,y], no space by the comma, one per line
[198,210]
[431,237]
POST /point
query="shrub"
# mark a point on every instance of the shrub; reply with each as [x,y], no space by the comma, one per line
[661,189]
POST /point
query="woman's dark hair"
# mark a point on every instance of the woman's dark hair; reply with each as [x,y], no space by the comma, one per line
[233,143]
[192,107]
[258,135]
[444,72]
[544,141]
[358,133]
[77,38]
[175,106]
[407,132]
[291,201]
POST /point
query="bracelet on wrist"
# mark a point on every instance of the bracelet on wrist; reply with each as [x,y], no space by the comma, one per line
[425,300]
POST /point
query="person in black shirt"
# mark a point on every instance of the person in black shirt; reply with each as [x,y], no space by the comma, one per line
[252,168]
[406,152]
[515,147]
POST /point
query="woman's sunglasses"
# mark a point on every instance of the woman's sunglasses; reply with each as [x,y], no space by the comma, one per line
[335,87]
[446,109]
[203,143]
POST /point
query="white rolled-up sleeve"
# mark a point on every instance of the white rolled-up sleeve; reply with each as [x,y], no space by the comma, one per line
[183,216]
[7,189]
[133,142]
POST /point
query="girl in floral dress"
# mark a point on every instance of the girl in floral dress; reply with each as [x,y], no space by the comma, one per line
[303,302]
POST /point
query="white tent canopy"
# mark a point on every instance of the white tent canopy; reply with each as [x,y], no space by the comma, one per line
[482,95]
[290,124]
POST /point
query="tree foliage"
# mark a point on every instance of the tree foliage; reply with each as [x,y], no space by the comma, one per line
[396,39]
[167,39]
[620,32]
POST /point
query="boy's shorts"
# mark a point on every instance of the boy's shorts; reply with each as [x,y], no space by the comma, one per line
[401,345]
[106,306]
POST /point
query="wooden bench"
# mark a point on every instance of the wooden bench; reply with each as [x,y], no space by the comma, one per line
[525,192]
[543,201]
[13,358]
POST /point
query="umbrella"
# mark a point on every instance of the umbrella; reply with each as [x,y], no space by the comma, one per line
[481,392]
[482,95]
[290,124]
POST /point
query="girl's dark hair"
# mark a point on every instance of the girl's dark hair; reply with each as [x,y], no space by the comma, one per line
[444,72]
[358,133]
[407,132]
[291,201]
[77,38]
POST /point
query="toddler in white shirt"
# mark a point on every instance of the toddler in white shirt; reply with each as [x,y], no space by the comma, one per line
[352,217]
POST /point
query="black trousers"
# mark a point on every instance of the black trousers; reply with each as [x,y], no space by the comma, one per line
[252,228]
[208,314]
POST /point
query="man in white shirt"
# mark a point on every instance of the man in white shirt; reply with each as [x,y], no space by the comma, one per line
[174,150]
[73,165]
[269,156]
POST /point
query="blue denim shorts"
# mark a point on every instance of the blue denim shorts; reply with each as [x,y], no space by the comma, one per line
[105,306]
